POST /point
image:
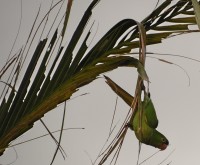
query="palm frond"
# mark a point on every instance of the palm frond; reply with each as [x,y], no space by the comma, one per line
[41,90]
[36,97]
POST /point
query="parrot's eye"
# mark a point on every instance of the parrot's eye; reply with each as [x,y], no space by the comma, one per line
[165,141]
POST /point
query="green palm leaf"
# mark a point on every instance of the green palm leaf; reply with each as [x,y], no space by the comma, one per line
[42,89]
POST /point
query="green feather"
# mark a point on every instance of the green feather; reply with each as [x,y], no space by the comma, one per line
[150,112]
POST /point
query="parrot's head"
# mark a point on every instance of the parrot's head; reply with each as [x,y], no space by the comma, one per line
[158,140]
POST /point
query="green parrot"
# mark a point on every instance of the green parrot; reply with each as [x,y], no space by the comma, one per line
[144,126]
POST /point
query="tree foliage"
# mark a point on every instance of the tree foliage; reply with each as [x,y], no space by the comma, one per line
[42,89]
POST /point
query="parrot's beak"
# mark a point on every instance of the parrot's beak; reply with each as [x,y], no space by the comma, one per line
[163,146]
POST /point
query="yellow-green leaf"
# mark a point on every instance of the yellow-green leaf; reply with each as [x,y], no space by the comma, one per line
[191,20]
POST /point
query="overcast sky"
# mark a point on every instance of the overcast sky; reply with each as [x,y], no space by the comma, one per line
[177,103]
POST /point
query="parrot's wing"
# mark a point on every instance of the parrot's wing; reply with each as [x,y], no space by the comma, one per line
[150,113]
[142,130]
[119,91]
